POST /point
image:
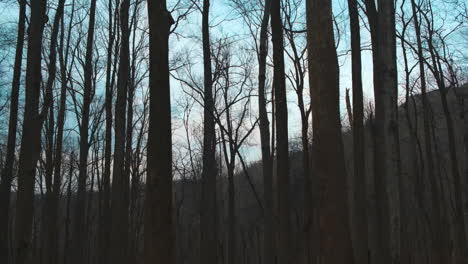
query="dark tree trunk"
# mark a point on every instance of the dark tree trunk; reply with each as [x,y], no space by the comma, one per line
[378,252]
[66,247]
[208,228]
[7,172]
[105,203]
[460,229]
[387,159]
[31,137]
[267,164]
[349,108]
[49,224]
[335,241]
[279,83]
[360,243]
[159,233]
[386,116]
[439,239]
[120,181]
[79,229]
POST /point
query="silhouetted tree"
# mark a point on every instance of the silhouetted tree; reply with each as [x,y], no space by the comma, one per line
[159,233]
[334,235]
[7,170]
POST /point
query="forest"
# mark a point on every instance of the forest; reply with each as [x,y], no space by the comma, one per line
[234,131]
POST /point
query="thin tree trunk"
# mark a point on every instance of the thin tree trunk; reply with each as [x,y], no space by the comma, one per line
[279,83]
[7,172]
[79,229]
[267,164]
[357,120]
[119,204]
[159,233]
[378,252]
[66,247]
[106,211]
[49,222]
[439,240]
[418,165]
[460,231]
[349,108]
[208,229]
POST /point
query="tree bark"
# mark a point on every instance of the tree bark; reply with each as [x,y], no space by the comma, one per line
[267,164]
[360,243]
[31,137]
[279,84]
[387,159]
[159,233]
[386,116]
[118,252]
[208,228]
[335,241]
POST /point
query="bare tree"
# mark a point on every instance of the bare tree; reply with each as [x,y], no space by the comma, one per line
[334,234]
[360,242]
[267,161]
[7,170]
[282,154]
[120,180]
[208,228]
[79,228]
[106,210]
[233,84]
[435,64]
[387,159]
[31,137]
[439,242]
[49,222]
[159,236]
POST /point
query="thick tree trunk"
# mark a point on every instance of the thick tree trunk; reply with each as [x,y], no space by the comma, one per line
[79,229]
[159,233]
[360,243]
[335,241]
[120,182]
[279,83]
[388,158]
[378,206]
[208,228]
[7,172]
[267,164]
[31,137]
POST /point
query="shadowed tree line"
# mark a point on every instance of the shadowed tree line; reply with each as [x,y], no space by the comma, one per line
[198,131]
